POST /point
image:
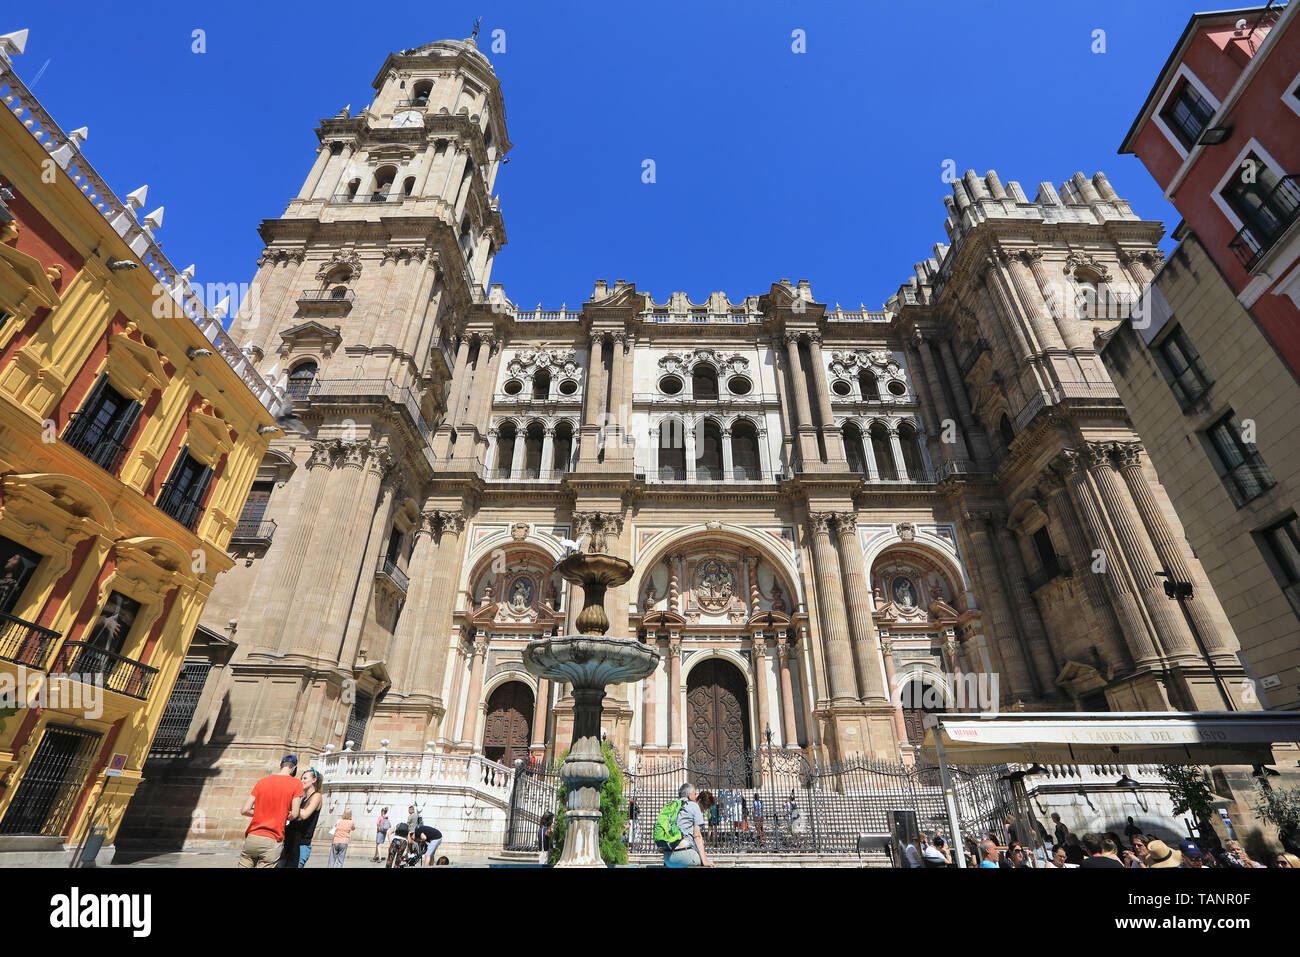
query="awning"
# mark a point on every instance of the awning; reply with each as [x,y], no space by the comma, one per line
[1208,737]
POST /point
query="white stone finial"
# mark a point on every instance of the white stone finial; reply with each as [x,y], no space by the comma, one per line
[188,272]
[347,745]
[428,747]
[383,744]
[155,219]
[223,307]
[79,136]
[12,44]
[137,199]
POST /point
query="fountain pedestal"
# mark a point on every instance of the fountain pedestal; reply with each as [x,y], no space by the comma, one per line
[589,662]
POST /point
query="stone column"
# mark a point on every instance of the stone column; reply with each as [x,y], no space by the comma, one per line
[975,437]
[871,681]
[760,683]
[354,608]
[728,463]
[1141,642]
[541,711]
[1011,650]
[1031,300]
[593,400]
[804,429]
[1077,335]
[896,449]
[869,455]
[485,383]
[789,730]
[327,186]
[442,607]
[313,177]
[548,452]
[469,734]
[830,601]
[785,400]
[517,456]
[618,364]
[900,725]
[1040,654]
[688,436]
[1061,513]
[952,655]
[674,692]
[1129,456]
[1138,268]
[955,450]
[277,586]
[1175,638]
[830,431]
[649,690]
[410,625]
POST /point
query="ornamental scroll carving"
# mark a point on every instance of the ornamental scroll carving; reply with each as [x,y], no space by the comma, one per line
[682,363]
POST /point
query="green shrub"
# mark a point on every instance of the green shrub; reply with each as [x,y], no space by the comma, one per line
[613,814]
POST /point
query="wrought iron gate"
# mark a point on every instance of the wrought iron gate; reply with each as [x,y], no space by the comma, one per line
[771,801]
[49,787]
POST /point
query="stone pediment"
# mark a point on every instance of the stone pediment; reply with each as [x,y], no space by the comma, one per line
[208,436]
[133,367]
[308,334]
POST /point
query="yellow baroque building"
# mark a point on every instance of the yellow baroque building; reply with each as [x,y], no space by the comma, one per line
[131,428]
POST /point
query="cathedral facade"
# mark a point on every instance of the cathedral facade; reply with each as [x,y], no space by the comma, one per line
[838,519]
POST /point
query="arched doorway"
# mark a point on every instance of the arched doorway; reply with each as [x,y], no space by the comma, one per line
[919,698]
[509,723]
[717,710]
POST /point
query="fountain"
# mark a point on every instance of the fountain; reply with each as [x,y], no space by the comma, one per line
[588,661]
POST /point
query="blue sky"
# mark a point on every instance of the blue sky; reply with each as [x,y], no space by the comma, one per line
[824,165]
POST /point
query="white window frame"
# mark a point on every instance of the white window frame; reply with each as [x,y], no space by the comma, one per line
[1254,146]
[1289,95]
[1159,121]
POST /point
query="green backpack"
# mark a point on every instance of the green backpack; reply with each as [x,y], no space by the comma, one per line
[667,834]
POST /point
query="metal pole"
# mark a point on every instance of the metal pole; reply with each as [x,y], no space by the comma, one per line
[945,780]
[90,827]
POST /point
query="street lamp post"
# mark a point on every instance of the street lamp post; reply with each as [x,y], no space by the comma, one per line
[1181,592]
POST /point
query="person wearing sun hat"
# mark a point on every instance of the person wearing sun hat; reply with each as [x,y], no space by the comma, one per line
[1160,854]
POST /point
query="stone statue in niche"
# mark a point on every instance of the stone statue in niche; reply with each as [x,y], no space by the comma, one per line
[715,583]
[904,593]
[778,599]
[521,595]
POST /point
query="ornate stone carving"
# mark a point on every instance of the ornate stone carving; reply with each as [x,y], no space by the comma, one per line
[715,584]
[906,531]
[1098,454]
[556,361]
[598,527]
[349,259]
[323,453]
[681,363]
[1076,260]
[1128,454]
[821,522]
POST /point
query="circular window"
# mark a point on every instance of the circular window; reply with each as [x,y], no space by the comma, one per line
[897,388]
[739,385]
[568,387]
[840,387]
[513,387]
[670,385]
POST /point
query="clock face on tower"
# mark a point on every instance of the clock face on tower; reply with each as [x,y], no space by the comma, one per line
[407,118]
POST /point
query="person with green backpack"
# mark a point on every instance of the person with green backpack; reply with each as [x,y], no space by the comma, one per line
[677,831]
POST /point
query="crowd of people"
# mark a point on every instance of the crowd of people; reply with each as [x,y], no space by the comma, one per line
[1064,850]
[285,811]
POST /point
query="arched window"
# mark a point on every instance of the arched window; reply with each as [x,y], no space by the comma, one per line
[563,447]
[408,186]
[300,380]
[919,699]
[466,240]
[868,384]
[883,451]
[533,439]
[1006,432]
[910,440]
[744,451]
[541,384]
[672,450]
[336,281]
[704,382]
[853,448]
[708,464]
[384,177]
[420,93]
[506,439]
[354,184]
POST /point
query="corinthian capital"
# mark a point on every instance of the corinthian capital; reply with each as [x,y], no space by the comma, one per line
[846,523]
[1068,463]
[821,522]
[323,454]
[1098,454]
[1128,454]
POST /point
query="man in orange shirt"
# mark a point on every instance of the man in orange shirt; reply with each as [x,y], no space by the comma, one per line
[273,800]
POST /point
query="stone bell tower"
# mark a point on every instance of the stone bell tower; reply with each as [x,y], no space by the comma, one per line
[359,311]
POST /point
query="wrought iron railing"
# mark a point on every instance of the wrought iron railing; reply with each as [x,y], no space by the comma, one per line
[84,662]
[337,294]
[1273,218]
[26,643]
[92,441]
[254,533]
[419,103]
[389,568]
[179,506]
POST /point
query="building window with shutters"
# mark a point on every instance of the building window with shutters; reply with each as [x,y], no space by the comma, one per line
[1236,459]
[1187,113]
[1280,543]
[100,428]
[1182,367]
[182,496]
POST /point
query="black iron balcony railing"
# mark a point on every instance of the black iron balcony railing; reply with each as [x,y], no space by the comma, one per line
[84,662]
[254,533]
[179,506]
[388,567]
[1270,220]
[419,103]
[93,441]
[337,294]
[374,196]
[26,643]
